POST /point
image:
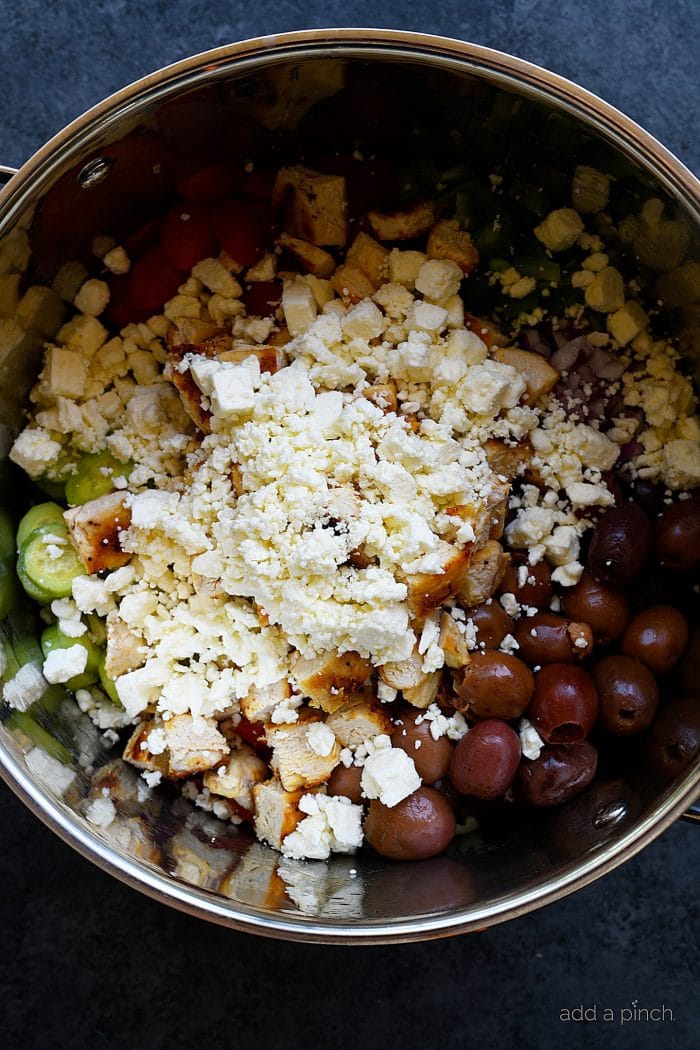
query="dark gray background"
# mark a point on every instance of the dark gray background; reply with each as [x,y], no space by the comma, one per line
[87,963]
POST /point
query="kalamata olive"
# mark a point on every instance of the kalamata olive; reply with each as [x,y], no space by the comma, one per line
[558,774]
[678,535]
[494,685]
[492,623]
[649,496]
[674,739]
[546,638]
[485,761]
[420,826]
[604,608]
[620,544]
[628,695]
[657,636]
[531,584]
[431,757]
[564,708]
[346,781]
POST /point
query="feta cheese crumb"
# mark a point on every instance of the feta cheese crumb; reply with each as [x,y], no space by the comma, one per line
[63,664]
[389,775]
[320,739]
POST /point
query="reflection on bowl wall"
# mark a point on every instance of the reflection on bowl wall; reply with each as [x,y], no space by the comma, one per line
[409,103]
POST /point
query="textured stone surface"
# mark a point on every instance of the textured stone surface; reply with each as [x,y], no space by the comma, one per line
[88,963]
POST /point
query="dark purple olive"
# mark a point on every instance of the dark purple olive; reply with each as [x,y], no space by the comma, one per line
[565,705]
[605,609]
[674,739]
[486,760]
[657,636]
[558,774]
[420,826]
[620,545]
[628,693]
[678,535]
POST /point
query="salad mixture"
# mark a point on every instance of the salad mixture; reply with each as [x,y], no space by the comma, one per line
[356,518]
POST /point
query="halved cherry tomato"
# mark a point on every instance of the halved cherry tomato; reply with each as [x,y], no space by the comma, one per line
[186,235]
[208,184]
[154,280]
[239,230]
[254,734]
[142,237]
[263,297]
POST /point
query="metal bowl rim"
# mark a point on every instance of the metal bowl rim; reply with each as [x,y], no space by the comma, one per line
[353,43]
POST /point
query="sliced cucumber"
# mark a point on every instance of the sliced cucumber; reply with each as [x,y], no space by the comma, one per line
[48,575]
[108,683]
[94,476]
[40,514]
[53,638]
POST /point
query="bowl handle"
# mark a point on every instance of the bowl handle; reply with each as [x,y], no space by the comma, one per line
[692,813]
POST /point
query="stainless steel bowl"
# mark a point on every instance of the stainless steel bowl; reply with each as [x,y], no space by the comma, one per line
[412,95]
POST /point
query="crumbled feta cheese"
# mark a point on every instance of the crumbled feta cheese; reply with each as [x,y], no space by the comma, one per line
[389,775]
[101,812]
[26,687]
[63,664]
[320,738]
[332,825]
[531,742]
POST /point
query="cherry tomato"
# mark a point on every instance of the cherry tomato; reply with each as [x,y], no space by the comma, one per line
[121,310]
[257,183]
[208,184]
[239,231]
[186,235]
[142,237]
[263,297]
[254,734]
[154,280]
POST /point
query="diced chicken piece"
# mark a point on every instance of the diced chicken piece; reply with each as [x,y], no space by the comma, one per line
[315,260]
[352,284]
[404,674]
[423,694]
[508,460]
[485,572]
[477,515]
[205,339]
[540,377]
[123,648]
[276,812]
[280,337]
[358,721]
[254,880]
[191,397]
[447,241]
[194,745]
[427,591]
[270,358]
[497,508]
[369,256]
[294,760]
[261,701]
[236,480]
[243,770]
[403,225]
[137,751]
[332,679]
[311,205]
[453,643]
[487,331]
[383,395]
[94,530]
